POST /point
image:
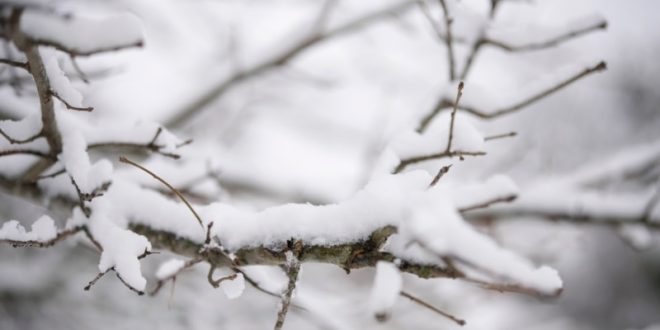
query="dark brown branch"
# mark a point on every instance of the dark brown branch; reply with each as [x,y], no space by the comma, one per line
[444,103]
[69,105]
[21,65]
[20,141]
[161,180]
[216,283]
[443,170]
[62,235]
[423,303]
[279,59]
[37,153]
[552,42]
[414,160]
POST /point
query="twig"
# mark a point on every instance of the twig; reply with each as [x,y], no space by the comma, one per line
[37,153]
[21,65]
[422,303]
[216,283]
[20,141]
[172,277]
[552,42]
[292,267]
[448,41]
[453,116]
[444,103]
[69,105]
[443,170]
[80,72]
[279,59]
[80,52]
[483,205]
[174,190]
[151,145]
[418,159]
[476,47]
[500,136]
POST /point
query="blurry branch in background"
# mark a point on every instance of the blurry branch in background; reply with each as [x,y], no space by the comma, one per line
[316,37]
[491,114]
[446,36]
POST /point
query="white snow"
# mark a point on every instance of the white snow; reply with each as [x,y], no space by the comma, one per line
[43,230]
[59,82]
[121,247]
[77,164]
[233,288]
[169,268]
[386,288]
[83,34]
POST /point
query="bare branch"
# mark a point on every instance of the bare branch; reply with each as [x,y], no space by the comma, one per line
[414,160]
[20,141]
[279,59]
[150,146]
[444,103]
[500,136]
[174,190]
[69,105]
[37,153]
[80,52]
[292,268]
[485,204]
[552,42]
[443,170]
[21,65]
[423,303]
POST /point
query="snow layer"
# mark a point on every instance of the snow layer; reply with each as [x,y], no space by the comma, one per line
[82,34]
[386,288]
[169,268]
[43,230]
[59,82]
[77,164]
[233,288]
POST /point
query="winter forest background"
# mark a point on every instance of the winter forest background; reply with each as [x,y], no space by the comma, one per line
[306,132]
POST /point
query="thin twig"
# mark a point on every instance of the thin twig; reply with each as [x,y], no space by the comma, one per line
[21,141]
[552,42]
[443,170]
[69,105]
[459,93]
[174,190]
[37,153]
[422,303]
[448,41]
[292,267]
[485,204]
[444,103]
[418,159]
[16,64]
[62,235]
[500,136]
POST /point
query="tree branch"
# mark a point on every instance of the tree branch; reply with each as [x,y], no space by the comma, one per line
[279,59]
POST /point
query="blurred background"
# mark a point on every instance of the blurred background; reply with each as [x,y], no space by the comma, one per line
[312,130]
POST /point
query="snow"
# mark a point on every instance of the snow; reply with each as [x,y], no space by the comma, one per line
[59,82]
[169,268]
[83,34]
[43,230]
[77,164]
[233,288]
[385,290]
[121,247]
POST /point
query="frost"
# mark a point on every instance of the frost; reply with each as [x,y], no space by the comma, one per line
[386,289]
[82,34]
[43,230]
[169,268]
[233,288]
